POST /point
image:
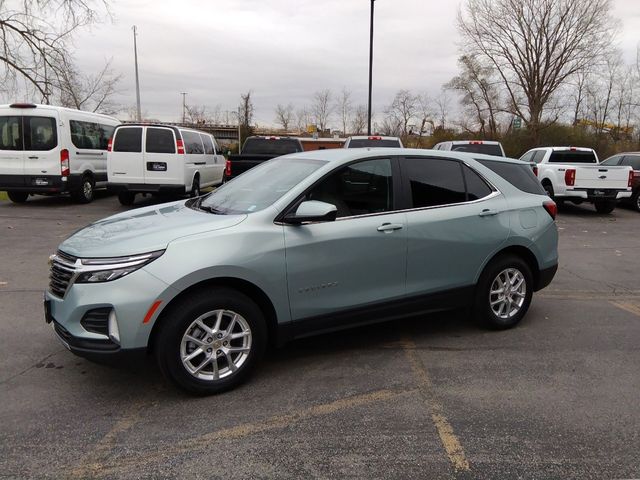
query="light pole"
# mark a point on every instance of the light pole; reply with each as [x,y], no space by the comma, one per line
[135,55]
[370,69]
[184,106]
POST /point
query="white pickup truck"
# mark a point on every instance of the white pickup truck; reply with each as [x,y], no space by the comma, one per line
[574,174]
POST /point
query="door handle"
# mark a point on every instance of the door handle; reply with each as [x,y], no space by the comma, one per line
[389,227]
[487,212]
[33,158]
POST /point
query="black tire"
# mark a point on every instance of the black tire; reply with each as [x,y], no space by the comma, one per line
[635,201]
[195,187]
[483,311]
[604,206]
[548,188]
[18,197]
[179,320]
[126,198]
[86,191]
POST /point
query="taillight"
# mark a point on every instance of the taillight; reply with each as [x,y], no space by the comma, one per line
[110,145]
[535,170]
[64,162]
[551,208]
[570,177]
[179,145]
[227,168]
[630,178]
[375,138]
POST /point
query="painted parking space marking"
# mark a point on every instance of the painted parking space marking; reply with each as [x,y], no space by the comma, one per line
[628,307]
[449,440]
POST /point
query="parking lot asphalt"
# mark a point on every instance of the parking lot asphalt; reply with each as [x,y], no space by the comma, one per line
[429,397]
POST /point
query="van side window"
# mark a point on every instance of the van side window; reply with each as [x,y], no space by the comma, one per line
[160,140]
[434,181]
[208,144]
[11,133]
[89,135]
[40,133]
[192,142]
[128,139]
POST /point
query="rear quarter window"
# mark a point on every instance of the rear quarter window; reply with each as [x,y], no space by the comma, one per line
[192,143]
[208,144]
[128,140]
[519,175]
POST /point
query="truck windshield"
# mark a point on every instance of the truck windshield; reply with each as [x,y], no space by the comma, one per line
[572,156]
[270,146]
[259,187]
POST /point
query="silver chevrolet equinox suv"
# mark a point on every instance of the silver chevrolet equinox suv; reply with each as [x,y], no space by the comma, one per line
[302,244]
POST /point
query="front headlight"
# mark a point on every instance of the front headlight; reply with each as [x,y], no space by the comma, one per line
[97,270]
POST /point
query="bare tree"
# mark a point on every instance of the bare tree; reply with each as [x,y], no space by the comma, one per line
[322,108]
[245,115]
[284,115]
[34,39]
[536,45]
[443,104]
[401,113]
[88,92]
[196,114]
[303,119]
[344,108]
[359,120]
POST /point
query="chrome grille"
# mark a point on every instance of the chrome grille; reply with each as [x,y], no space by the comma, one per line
[62,272]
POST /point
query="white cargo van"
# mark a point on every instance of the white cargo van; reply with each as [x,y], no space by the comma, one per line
[162,159]
[51,150]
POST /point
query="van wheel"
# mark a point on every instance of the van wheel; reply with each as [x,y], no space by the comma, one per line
[211,341]
[195,188]
[18,197]
[604,206]
[126,198]
[503,293]
[85,193]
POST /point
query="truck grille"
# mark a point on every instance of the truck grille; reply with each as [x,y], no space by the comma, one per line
[62,272]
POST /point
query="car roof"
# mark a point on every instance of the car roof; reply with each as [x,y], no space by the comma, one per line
[40,106]
[175,128]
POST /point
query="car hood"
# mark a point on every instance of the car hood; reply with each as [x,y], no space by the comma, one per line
[144,230]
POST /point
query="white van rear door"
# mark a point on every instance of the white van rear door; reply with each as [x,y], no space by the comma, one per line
[162,164]
[125,161]
[42,146]
[11,151]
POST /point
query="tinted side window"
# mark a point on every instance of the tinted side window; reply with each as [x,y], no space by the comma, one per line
[434,181]
[192,142]
[632,160]
[90,135]
[538,156]
[128,139]
[11,133]
[160,140]
[358,189]
[527,156]
[520,176]
[477,188]
[208,144]
[41,133]
[610,162]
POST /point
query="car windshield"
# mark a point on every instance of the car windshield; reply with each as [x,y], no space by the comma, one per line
[486,148]
[366,142]
[259,187]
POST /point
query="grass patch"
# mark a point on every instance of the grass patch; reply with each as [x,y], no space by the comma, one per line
[3,196]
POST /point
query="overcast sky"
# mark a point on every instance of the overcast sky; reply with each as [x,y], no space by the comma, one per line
[283,50]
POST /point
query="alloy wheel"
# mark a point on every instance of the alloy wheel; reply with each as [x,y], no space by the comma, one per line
[507,293]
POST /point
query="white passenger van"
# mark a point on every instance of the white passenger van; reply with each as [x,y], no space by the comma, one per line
[51,150]
[162,159]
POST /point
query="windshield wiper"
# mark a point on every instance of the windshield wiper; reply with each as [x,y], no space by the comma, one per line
[206,208]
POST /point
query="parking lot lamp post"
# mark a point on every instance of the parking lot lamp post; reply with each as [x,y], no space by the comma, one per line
[135,55]
[370,69]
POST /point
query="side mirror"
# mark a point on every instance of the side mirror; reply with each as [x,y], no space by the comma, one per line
[312,211]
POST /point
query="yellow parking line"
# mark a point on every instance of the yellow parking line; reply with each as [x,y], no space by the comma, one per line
[449,440]
[203,442]
[628,307]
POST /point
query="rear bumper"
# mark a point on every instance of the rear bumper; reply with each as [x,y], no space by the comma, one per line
[593,194]
[545,276]
[34,184]
[171,189]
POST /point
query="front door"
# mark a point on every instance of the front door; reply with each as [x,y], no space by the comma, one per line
[353,262]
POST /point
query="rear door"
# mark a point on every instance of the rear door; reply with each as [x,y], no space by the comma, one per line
[11,151]
[162,164]
[42,145]
[455,223]
[125,161]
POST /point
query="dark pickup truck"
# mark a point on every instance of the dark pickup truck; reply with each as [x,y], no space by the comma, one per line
[257,150]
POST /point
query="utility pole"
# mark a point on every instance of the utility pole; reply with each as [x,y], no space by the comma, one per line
[184,107]
[135,55]
[370,68]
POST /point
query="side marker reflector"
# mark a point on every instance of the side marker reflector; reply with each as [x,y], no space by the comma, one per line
[151,311]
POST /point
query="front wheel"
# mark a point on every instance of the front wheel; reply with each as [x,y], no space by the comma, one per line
[18,197]
[503,293]
[211,341]
[604,206]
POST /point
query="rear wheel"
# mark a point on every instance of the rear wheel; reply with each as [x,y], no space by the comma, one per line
[85,193]
[126,198]
[604,206]
[195,188]
[504,292]
[18,197]
[635,201]
[211,341]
